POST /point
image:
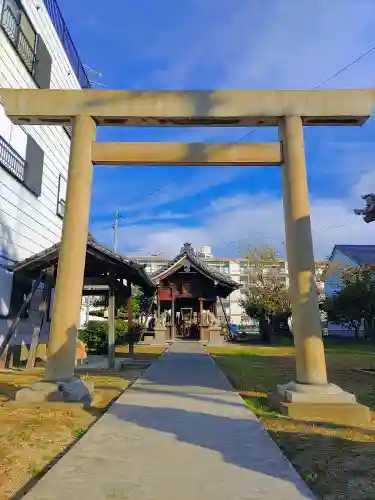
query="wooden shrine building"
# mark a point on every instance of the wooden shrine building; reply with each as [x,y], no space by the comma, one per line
[187,293]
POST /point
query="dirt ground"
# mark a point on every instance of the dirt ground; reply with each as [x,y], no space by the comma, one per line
[336,462]
[34,437]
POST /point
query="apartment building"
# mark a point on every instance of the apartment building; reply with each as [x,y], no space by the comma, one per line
[36,51]
[239,270]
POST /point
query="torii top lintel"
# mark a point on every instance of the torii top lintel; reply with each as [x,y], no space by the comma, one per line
[188,108]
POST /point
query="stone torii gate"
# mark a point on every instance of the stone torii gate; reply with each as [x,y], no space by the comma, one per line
[311,396]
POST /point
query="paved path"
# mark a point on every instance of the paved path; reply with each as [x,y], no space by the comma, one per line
[179,433]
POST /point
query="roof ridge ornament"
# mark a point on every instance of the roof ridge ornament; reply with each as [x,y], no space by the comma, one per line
[187,248]
[368,213]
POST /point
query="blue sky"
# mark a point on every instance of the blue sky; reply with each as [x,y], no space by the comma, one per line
[221,44]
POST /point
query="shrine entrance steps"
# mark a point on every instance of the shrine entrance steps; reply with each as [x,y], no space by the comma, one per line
[180,432]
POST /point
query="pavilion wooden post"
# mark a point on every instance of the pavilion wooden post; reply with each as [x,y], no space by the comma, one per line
[66,311]
[112,328]
[201,329]
[129,304]
[173,327]
[158,304]
[44,308]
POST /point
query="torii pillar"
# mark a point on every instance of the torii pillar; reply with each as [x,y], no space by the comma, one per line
[310,396]
[59,382]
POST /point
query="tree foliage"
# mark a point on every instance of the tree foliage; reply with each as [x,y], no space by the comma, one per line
[354,301]
[267,297]
[140,304]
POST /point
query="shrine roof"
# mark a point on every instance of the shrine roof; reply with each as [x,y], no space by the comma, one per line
[100,260]
[187,252]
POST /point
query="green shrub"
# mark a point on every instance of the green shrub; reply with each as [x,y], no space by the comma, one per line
[98,312]
[95,335]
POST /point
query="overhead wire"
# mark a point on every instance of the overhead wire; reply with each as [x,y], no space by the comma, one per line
[332,77]
[273,237]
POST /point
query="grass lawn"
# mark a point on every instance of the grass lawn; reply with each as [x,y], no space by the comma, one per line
[141,352]
[33,437]
[338,463]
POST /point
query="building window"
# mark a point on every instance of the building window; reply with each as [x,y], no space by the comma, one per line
[11,160]
[19,31]
[61,196]
[20,290]
[28,171]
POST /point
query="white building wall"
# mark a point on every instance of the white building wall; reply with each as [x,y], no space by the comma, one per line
[29,223]
[235,296]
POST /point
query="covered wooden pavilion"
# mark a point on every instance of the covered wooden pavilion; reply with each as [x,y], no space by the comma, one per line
[106,273]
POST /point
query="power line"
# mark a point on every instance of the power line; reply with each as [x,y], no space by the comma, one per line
[268,237]
[342,70]
[273,237]
[253,130]
[364,54]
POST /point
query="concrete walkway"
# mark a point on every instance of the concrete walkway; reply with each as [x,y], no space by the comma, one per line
[179,433]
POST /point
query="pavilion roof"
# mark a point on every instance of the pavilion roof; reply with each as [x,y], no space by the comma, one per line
[100,261]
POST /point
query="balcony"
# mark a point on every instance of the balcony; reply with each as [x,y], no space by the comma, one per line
[60,26]
[12,161]
[12,22]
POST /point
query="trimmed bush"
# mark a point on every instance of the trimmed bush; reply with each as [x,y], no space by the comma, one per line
[95,335]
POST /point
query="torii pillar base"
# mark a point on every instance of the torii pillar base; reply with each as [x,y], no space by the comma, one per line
[319,403]
[75,390]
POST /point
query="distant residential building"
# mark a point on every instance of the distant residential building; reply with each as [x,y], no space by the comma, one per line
[343,256]
[239,270]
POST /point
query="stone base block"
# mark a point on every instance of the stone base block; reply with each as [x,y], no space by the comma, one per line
[216,337]
[293,392]
[320,403]
[75,390]
[350,414]
[160,337]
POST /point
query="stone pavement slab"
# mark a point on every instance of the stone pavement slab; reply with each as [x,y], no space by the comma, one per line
[179,433]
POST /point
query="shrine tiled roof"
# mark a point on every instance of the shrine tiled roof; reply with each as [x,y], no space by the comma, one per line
[188,252]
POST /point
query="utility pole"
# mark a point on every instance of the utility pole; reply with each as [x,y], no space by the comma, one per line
[115,227]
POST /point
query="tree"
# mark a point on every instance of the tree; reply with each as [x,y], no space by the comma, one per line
[267,296]
[354,301]
[122,310]
[343,309]
[122,305]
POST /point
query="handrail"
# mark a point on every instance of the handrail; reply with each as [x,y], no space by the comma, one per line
[11,160]
[61,28]
[12,29]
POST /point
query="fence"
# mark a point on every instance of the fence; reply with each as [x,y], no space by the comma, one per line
[67,42]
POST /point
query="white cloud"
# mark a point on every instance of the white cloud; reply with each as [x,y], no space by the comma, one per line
[273,44]
[247,219]
[192,182]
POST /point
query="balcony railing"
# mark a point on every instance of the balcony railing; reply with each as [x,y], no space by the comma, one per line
[11,160]
[11,27]
[58,22]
